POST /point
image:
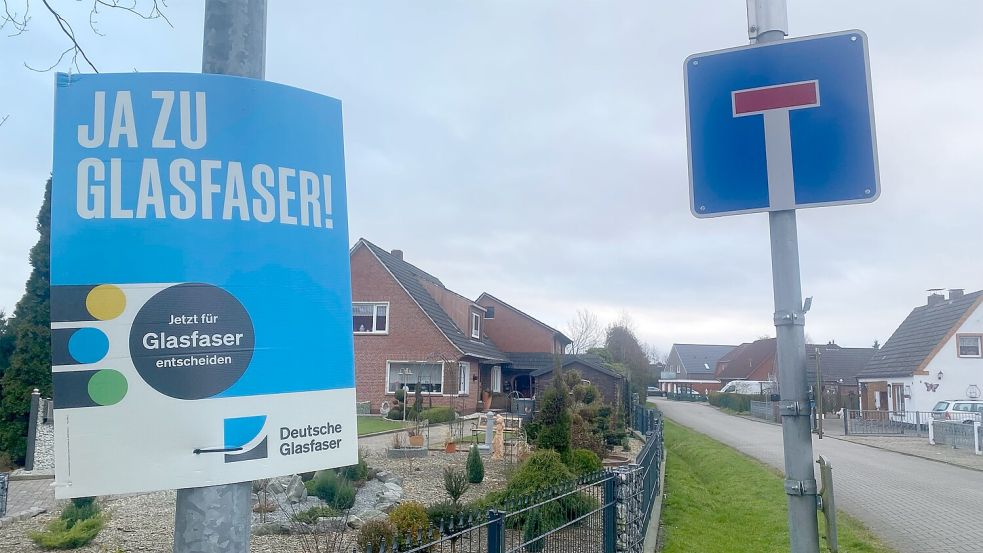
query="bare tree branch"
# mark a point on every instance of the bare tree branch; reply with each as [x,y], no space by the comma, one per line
[66,28]
[584,331]
[19,22]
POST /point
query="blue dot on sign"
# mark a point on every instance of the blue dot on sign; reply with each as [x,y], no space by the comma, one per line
[88,345]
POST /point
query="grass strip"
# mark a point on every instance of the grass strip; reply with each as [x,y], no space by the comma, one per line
[370,425]
[719,500]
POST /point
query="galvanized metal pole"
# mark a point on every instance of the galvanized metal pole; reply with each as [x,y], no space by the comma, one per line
[217,519]
[768,22]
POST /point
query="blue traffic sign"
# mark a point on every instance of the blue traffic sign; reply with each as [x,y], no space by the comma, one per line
[783,125]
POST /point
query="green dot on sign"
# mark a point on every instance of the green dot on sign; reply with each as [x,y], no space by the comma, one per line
[107,387]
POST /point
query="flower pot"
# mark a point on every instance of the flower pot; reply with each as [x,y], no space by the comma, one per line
[450,447]
[416,441]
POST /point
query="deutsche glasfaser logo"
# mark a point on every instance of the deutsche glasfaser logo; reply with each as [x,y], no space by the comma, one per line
[240,431]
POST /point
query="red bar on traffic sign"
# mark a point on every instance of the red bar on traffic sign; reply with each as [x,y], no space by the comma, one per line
[784,96]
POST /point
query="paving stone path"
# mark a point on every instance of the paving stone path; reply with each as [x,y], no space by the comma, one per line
[914,505]
[24,495]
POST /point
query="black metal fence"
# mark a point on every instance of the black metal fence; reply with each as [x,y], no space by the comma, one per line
[605,512]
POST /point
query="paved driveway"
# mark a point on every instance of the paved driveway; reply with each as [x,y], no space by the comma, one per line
[915,505]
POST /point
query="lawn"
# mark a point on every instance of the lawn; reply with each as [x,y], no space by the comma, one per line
[369,425]
[721,501]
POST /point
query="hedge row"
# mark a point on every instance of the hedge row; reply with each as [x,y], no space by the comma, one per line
[735,402]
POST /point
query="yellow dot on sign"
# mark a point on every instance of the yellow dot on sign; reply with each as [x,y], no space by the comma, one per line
[105,302]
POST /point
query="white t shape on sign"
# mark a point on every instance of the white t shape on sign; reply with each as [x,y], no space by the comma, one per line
[773,103]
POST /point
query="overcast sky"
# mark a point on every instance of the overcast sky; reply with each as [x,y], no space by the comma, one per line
[537,151]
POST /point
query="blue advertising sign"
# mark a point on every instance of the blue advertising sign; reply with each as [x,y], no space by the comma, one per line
[781,125]
[200,283]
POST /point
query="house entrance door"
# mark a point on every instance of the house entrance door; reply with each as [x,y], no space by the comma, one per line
[882,400]
[522,383]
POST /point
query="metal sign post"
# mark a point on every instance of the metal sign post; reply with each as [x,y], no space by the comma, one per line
[215,519]
[777,126]
[770,21]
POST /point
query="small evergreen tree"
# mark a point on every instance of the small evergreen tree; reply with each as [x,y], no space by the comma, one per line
[476,467]
[554,417]
[30,360]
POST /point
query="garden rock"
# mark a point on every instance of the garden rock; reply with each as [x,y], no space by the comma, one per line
[296,491]
[356,521]
[268,528]
[330,524]
[386,477]
[275,486]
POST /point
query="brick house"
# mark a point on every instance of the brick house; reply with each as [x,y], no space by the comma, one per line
[411,329]
[692,366]
[408,330]
[748,361]
[611,384]
[518,333]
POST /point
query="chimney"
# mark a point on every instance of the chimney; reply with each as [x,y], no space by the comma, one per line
[398,254]
[956,293]
[935,299]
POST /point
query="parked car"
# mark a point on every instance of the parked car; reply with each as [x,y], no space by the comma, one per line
[965,410]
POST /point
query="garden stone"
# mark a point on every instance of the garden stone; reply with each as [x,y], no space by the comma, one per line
[394,487]
[356,521]
[330,524]
[269,528]
[296,491]
[386,477]
[275,486]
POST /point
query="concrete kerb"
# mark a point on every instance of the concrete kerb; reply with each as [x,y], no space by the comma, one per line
[873,446]
[655,520]
[23,515]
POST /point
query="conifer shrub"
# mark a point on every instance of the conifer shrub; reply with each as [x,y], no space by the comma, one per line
[554,418]
[455,483]
[475,466]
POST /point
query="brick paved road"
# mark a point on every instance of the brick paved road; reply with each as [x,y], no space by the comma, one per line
[915,505]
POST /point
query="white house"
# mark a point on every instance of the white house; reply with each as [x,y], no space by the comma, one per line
[936,354]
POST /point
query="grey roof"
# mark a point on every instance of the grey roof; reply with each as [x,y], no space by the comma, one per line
[409,276]
[543,363]
[698,359]
[837,362]
[911,344]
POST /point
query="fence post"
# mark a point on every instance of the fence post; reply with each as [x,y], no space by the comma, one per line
[32,429]
[976,437]
[846,422]
[931,432]
[610,516]
[496,531]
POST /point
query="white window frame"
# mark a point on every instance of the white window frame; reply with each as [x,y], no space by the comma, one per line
[375,313]
[463,378]
[475,325]
[391,362]
[979,345]
[496,379]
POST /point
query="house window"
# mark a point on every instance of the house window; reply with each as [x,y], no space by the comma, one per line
[429,377]
[475,325]
[897,397]
[496,379]
[969,346]
[490,312]
[463,377]
[370,318]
